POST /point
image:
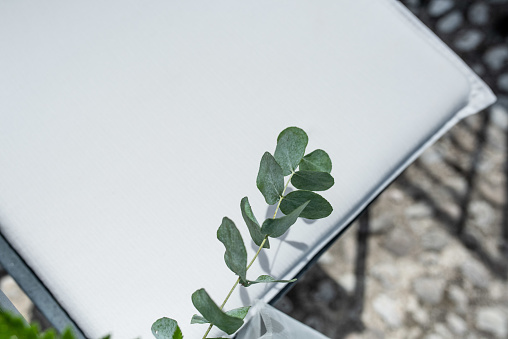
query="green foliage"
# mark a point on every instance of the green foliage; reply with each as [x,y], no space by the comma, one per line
[198,319]
[307,173]
[67,334]
[239,313]
[207,307]
[312,181]
[252,224]
[313,175]
[11,326]
[266,279]
[318,161]
[276,227]
[166,328]
[15,327]
[236,255]
[317,208]
[270,180]
[291,144]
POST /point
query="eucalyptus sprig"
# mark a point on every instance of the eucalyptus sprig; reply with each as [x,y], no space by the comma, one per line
[307,173]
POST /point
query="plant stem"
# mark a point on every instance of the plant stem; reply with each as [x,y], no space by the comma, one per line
[236,283]
[229,294]
[255,256]
[257,253]
[282,195]
[208,331]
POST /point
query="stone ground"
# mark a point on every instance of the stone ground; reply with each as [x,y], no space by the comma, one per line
[429,258]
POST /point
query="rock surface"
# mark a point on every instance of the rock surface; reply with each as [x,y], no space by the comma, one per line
[475,273]
[492,320]
[456,324]
[388,309]
[430,290]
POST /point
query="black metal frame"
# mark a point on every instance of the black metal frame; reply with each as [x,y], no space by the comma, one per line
[35,289]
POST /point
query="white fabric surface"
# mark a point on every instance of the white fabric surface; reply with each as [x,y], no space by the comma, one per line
[270,323]
[129,129]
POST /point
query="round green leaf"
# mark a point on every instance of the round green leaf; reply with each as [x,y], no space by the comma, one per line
[312,181]
[291,144]
[166,328]
[318,161]
[270,180]
[317,208]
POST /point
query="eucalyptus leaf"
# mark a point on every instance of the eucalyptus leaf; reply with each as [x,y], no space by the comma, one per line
[276,227]
[235,255]
[252,224]
[207,307]
[198,319]
[239,313]
[166,328]
[317,208]
[291,144]
[270,180]
[312,181]
[267,279]
[317,160]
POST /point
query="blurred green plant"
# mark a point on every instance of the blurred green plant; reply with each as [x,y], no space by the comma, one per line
[307,173]
[15,327]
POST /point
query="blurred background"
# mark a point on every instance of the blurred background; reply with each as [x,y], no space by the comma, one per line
[429,258]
